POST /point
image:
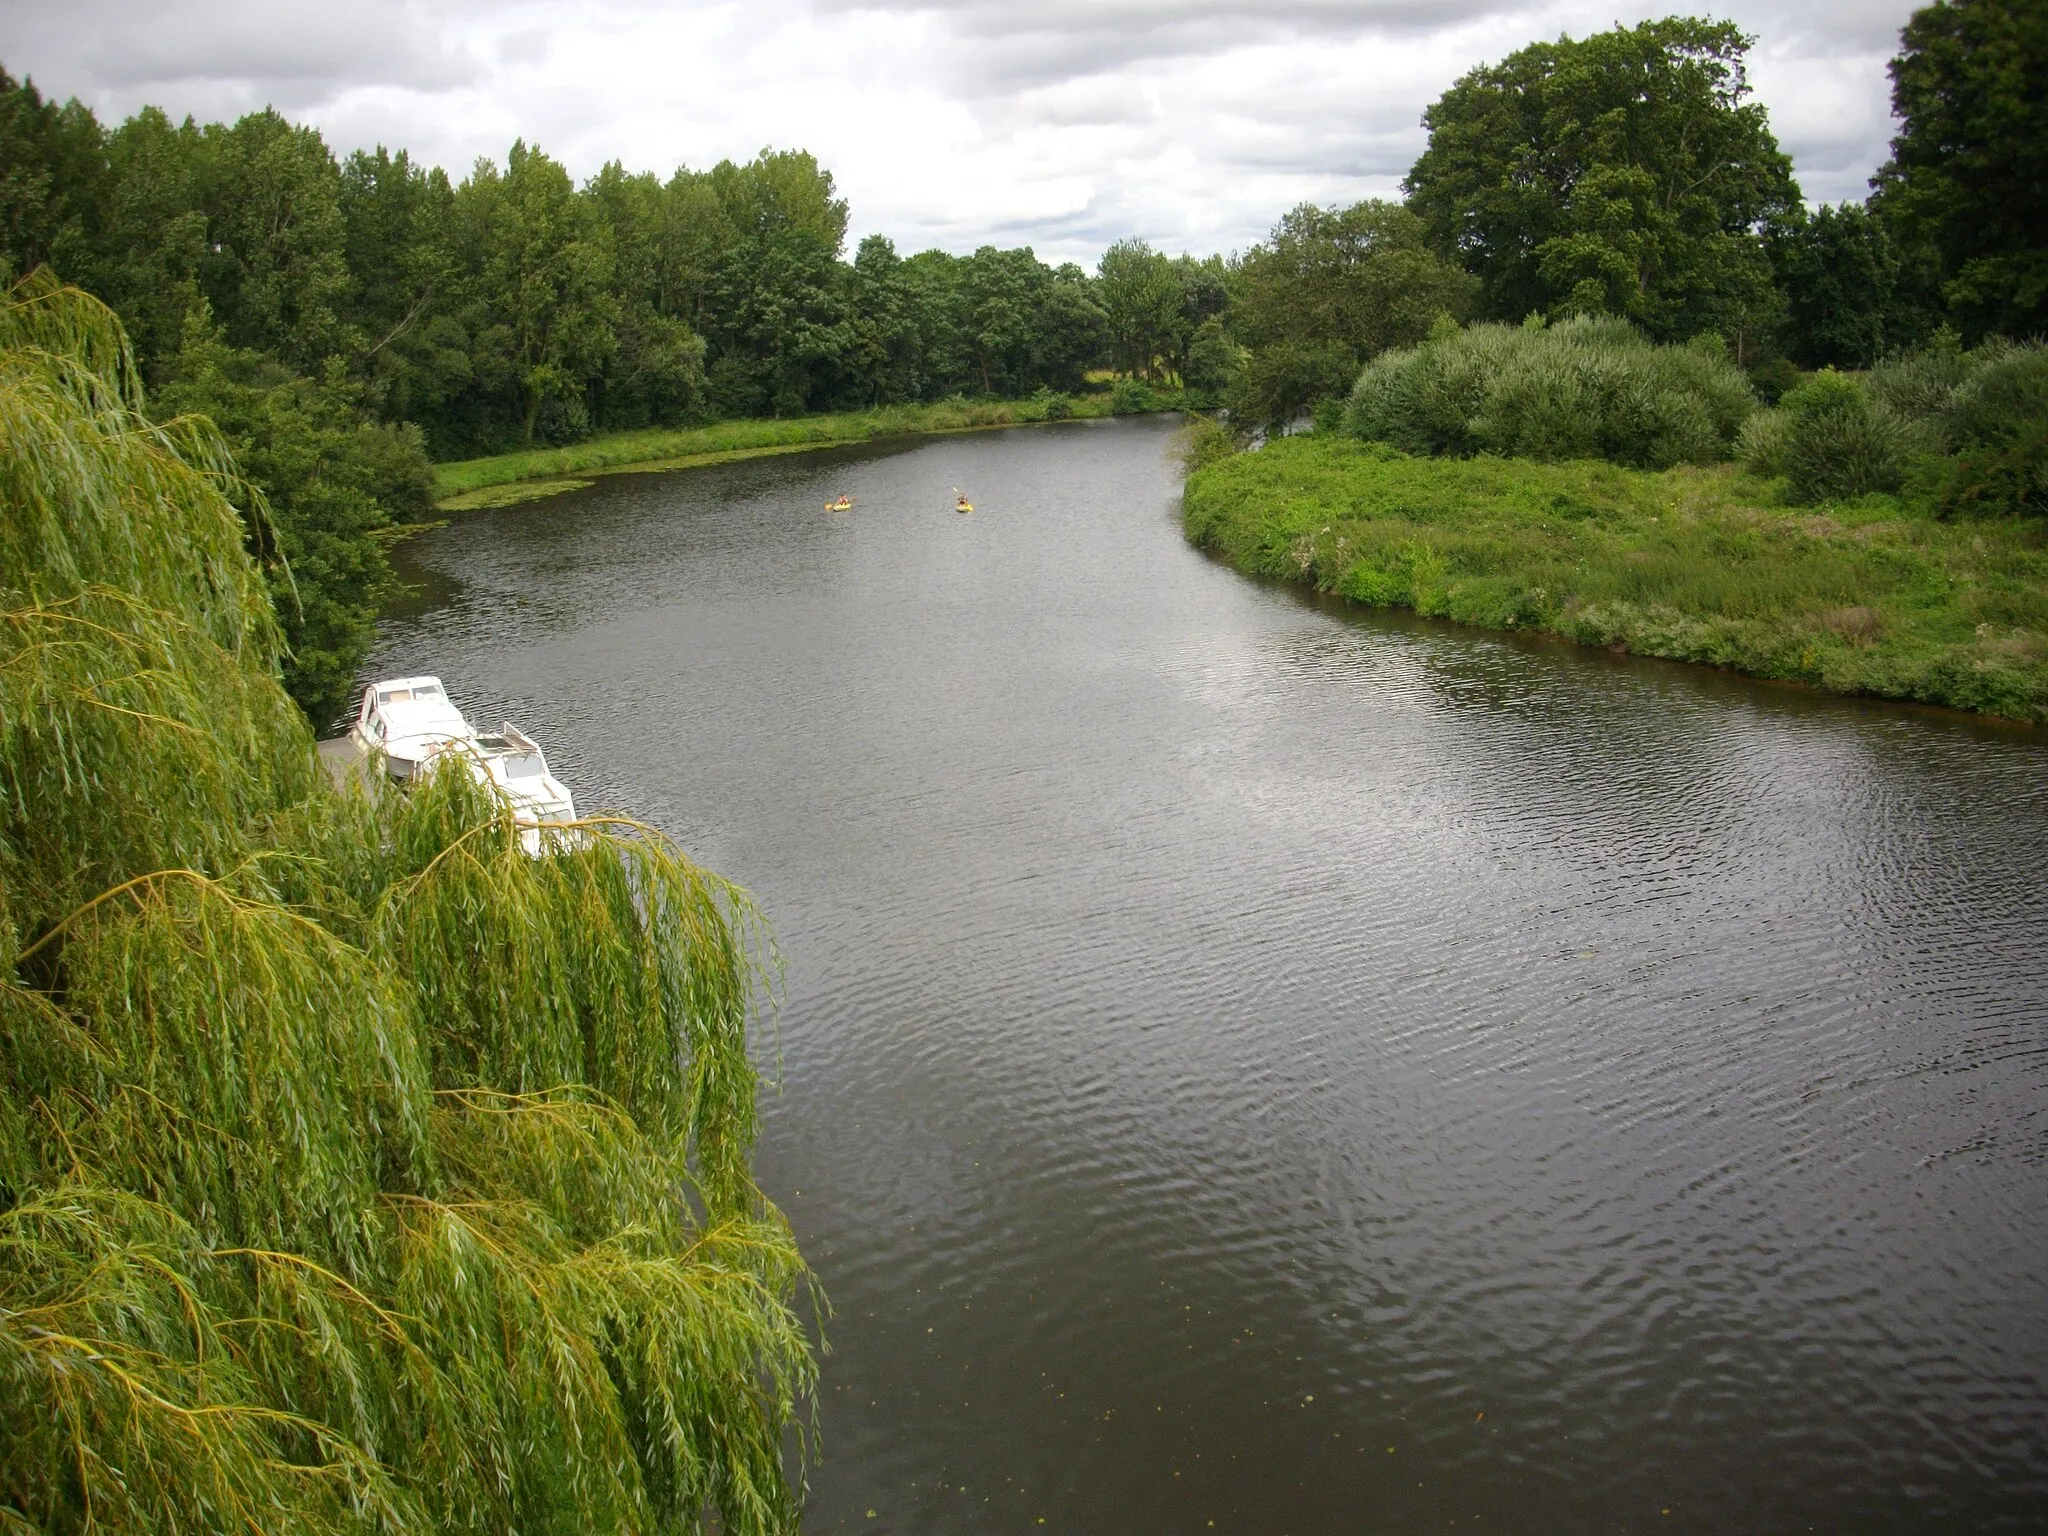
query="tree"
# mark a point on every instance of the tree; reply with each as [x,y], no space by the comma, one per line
[1363,277]
[332,483]
[778,329]
[1328,291]
[657,376]
[396,240]
[1140,296]
[52,176]
[274,268]
[1852,294]
[364,1175]
[1626,173]
[1067,331]
[1969,169]
[154,235]
[538,271]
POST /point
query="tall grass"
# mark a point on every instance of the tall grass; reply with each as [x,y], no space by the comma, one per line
[1587,388]
[1691,563]
[358,1173]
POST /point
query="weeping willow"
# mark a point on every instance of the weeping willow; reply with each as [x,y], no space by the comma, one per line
[358,1173]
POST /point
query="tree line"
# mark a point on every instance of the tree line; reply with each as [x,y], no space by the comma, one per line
[515,307]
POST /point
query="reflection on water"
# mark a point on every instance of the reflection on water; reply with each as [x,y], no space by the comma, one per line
[1307,1071]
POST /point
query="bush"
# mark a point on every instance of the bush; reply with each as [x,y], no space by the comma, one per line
[2008,481]
[1775,379]
[2006,400]
[1926,385]
[1763,441]
[1129,398]
[1205,441]
[1051,404]
[1589,388]
[1841,441]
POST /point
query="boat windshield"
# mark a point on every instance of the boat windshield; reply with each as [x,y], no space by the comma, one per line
[406,695]
[523,765]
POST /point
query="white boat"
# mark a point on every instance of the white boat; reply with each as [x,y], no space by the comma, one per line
[408,720]
[513,763]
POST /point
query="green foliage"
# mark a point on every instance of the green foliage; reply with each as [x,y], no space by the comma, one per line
[1205,441]
[332,481]
[52,174]
[1362,276]
[1214,360]
[2003,480]
[1840,441]
[273,268]
[1624,173]
[1999,422]
[1765,442]
[1330,289]
[1841,271]
[362,1173]
[1969,168]
[1140,294]
[1973,420]
[1689,563]
[1583,389]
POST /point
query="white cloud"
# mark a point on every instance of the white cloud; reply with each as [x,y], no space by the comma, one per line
[1062,123]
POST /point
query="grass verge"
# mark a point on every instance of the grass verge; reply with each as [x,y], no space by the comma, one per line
[1694,564]
[505,478]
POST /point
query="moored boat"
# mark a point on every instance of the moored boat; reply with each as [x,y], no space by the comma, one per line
[512,763]
[407,721]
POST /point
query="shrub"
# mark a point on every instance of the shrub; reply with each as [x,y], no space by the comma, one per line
[1128,398]
[1762,443]
[1926,385]
[1775,379]
[1841,441]
[1204,441]
[1051,404]
[2007,481]
[1589,388]
[2005,401]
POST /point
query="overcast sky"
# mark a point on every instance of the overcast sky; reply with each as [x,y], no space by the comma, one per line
[1063,124]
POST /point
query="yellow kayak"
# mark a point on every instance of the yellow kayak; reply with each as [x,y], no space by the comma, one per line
[843,504]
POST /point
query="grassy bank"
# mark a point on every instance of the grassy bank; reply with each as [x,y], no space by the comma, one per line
[507,477]
[1694,564]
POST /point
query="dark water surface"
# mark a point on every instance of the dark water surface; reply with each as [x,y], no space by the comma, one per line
[1251,1066]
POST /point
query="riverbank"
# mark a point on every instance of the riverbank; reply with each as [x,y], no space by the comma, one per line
[1701,565]
[505,478]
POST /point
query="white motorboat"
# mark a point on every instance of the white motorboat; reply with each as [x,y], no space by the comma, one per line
[513,763]
[408,721]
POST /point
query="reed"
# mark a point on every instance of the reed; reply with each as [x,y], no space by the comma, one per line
[360,1173]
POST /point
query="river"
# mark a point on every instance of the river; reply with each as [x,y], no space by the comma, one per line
[1249,1065]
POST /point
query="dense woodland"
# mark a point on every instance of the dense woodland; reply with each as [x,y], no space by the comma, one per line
[344,320]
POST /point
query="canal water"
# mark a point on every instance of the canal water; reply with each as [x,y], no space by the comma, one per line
[1250,1066]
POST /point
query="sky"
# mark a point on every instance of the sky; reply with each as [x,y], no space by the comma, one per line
[1061,124]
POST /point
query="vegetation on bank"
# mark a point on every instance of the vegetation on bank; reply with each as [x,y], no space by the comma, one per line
[360,1175]
[509,477]
[1695,563]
